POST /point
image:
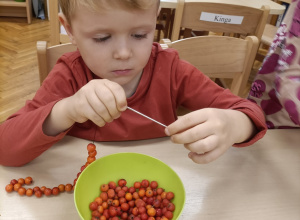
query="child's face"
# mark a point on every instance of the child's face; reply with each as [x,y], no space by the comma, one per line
[116,43]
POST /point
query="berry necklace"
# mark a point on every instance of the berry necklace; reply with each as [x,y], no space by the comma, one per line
[18,185]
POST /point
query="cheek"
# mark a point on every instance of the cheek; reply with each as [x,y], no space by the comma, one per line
[143,52]
[94,59]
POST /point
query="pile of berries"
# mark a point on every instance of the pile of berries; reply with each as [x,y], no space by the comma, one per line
[142,201]
[18,185]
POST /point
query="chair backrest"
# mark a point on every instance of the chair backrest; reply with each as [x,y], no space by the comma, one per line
[220,17]
[48,56]
[220,57]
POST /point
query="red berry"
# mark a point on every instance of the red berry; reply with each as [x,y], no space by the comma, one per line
[55,191]
[22,191]
[38,193]
[28,180]
[93,206]
[29,192]
[13,181]
[91,147]
[122,182]
[47,192]
[145,183]
[9,187]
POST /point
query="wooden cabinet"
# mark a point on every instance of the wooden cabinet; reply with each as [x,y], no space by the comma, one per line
[16,9]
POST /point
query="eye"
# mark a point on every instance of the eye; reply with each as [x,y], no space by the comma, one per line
[139,36]
[101,39]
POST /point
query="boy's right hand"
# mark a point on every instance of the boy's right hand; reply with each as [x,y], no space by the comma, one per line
[100,101]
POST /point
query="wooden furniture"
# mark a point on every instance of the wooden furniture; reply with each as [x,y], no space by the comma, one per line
[219,57]
[48,56]
[219,17]
[57,36]
[269,33]
[267,39]
[54,22]
[16,9]
[164,22]
[275,8]
[258,182]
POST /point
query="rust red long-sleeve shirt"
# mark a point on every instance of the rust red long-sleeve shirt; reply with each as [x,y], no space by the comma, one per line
[167,82]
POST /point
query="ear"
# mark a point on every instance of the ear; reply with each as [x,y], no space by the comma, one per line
[67,26]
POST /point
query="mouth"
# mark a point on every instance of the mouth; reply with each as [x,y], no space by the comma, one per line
[122,72]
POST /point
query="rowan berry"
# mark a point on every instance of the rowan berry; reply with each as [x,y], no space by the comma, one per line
[111,193]
[168,214]
[55,191]
[36,188]
[151,211]
[104,187]
[98,200]
[145,183]
[68,187]
[29,192]
[169,195]
[93,206]
[28,180]
[112,185]
[61,187]
[13,181]
[43,189]
[9,187]
[21,181]
[128,196]
[153,184]
[91,147]
[38,193]
[17,186]
[21,191]
[122,182]
[137,185]
[92,154]
[149,193]
[47,192]
[90,159]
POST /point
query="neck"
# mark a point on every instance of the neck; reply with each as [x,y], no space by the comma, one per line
[131,87]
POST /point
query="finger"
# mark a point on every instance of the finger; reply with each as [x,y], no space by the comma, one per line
[185,122]
[204,145]
[106,107]
[99,109]
[119,95]
[90,114]
[206,157]
[193,134]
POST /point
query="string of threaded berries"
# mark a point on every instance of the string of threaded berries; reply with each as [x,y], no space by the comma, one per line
[18,185]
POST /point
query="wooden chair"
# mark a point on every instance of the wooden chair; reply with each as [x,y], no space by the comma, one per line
[56,36]
[48,56]
[164,23]
[267,39]
[219,56]
[187,16]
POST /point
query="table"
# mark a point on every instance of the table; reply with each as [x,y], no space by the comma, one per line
[258,182]
[275,8]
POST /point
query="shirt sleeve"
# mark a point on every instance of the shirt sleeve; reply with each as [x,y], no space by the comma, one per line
[21,135]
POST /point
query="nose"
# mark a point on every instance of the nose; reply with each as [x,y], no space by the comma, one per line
[122,50]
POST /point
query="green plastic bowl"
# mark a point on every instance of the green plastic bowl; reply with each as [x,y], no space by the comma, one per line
[132,167]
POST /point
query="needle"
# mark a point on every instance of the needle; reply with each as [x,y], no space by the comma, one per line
[146,116]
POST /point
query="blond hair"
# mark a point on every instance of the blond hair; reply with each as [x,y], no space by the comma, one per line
[68,7]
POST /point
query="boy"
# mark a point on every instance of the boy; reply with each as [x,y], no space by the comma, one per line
[118,65]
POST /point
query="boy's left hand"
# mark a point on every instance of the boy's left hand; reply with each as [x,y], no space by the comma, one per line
[209,132]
